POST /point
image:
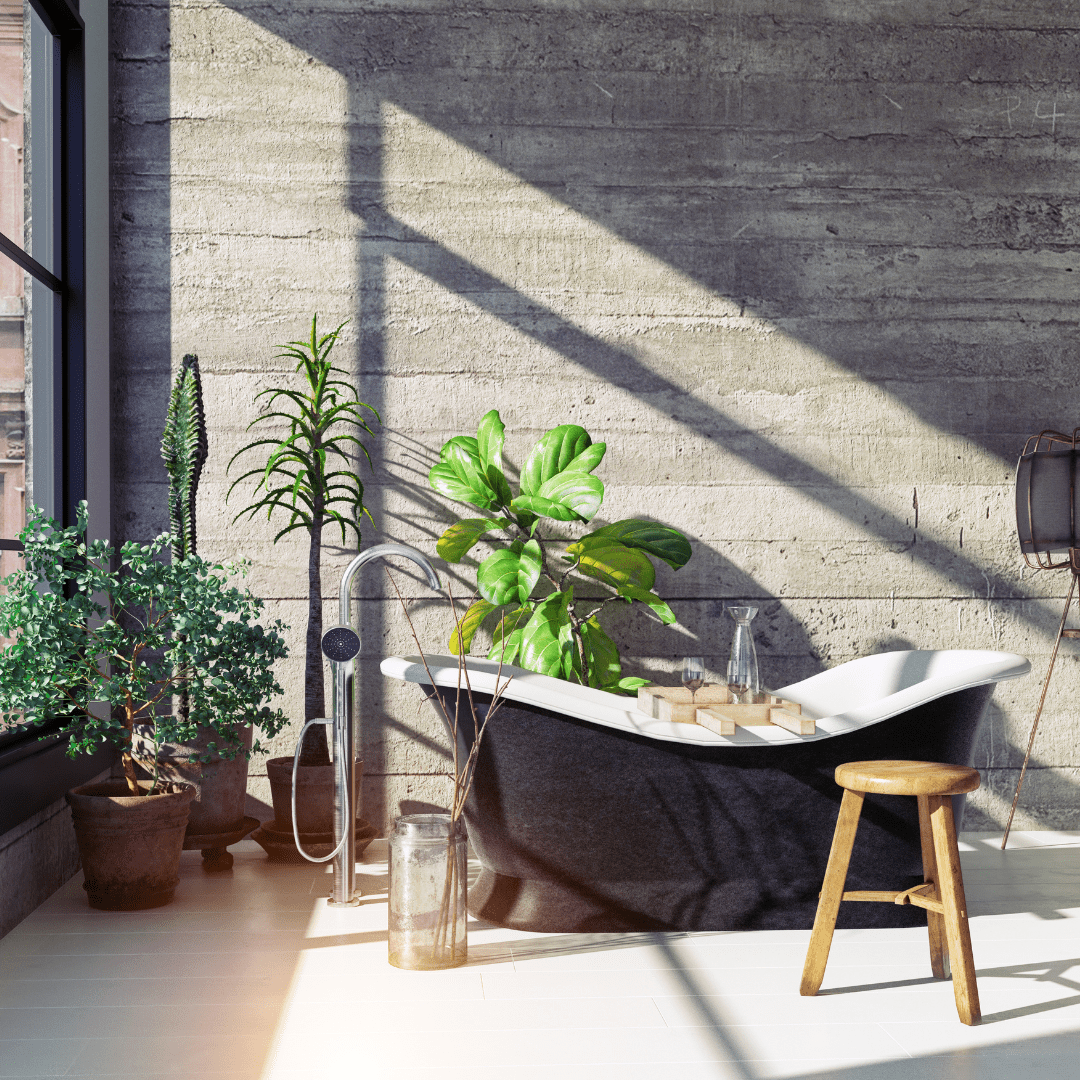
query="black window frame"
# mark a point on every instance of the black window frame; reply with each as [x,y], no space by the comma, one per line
[34,768]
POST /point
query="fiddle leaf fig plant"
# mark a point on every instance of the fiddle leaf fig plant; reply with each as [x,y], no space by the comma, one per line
[527,584]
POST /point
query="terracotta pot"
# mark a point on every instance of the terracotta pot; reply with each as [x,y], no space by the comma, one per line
[220,786]
[314,796]
[130,846]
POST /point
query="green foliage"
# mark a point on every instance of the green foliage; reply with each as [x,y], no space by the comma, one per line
[309,475]
[184,449]
[105,640]
[300,476]
[542,625]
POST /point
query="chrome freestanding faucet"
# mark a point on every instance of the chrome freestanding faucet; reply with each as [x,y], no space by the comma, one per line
[341,646]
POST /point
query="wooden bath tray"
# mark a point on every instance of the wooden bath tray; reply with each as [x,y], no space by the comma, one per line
[712,708]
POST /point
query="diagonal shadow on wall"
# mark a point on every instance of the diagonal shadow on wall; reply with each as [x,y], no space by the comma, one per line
[698,226]
[416,61]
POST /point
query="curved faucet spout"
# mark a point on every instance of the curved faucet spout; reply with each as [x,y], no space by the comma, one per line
[346,761]
[377,552]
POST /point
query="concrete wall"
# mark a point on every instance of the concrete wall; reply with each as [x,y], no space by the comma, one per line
[809,269]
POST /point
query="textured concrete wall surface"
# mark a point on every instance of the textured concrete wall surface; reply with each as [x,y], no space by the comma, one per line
[808,269]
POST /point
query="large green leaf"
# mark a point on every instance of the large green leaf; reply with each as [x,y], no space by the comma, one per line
[534,504]
[498,484]
[462,452]
[601,654]
[470,622]
[613,563]
[462,536]
[489,444]
[489,440]
[510,574]
[553,453]
[588,459]
[460,475]
[506,649]
[660,540]
[546,641]
[570,496]
[632,592]
[511,621]
[446,482]
[582,492]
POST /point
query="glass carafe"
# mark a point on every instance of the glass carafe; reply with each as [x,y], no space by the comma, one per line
[742,669]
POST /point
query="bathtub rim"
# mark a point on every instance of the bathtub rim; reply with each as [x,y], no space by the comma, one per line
[975,667]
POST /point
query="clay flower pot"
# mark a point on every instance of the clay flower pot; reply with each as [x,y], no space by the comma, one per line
[314,796]
[217,815]
[130,845]
[314,812]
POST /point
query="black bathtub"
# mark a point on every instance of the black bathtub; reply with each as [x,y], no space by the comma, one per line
[597,825]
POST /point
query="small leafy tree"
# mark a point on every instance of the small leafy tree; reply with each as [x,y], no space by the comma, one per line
[105,649]
[528,583]
[309,476]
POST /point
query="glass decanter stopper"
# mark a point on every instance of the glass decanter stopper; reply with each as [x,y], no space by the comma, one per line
[742,669]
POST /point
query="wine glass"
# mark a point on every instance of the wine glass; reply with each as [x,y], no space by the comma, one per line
[693,674]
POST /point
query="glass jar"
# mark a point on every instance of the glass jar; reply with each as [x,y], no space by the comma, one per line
[428,883]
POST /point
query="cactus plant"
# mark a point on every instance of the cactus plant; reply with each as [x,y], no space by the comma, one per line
[184,449]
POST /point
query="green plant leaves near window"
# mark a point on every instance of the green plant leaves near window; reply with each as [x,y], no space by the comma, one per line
[107,640]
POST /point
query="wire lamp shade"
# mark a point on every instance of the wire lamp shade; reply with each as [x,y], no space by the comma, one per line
[1047,485]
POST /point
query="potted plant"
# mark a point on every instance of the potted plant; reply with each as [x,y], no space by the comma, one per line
[542,589]
[105,640]
[217,812]
[309,477]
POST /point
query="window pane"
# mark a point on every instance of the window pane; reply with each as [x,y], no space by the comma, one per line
[29,94]
[41,336]
[12,410]
[11,127]
[42,159]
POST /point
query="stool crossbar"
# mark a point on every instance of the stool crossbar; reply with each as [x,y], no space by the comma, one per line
[942,890]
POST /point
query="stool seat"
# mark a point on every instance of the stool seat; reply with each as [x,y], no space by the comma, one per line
[907,777]
[942,892]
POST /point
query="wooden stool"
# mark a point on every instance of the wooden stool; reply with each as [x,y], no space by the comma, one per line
[942,892]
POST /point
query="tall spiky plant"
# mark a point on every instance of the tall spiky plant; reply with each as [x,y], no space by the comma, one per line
[300,479]
[184,449]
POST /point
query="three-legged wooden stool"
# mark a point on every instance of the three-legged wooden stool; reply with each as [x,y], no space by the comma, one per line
[942,892]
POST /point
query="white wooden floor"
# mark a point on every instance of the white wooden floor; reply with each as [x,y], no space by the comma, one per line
[248,975]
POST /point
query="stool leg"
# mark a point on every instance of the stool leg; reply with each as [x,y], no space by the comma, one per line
[935,923]
[817,955]
[965,990]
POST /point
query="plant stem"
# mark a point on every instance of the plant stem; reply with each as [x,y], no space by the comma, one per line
[128,764]
[314,750]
